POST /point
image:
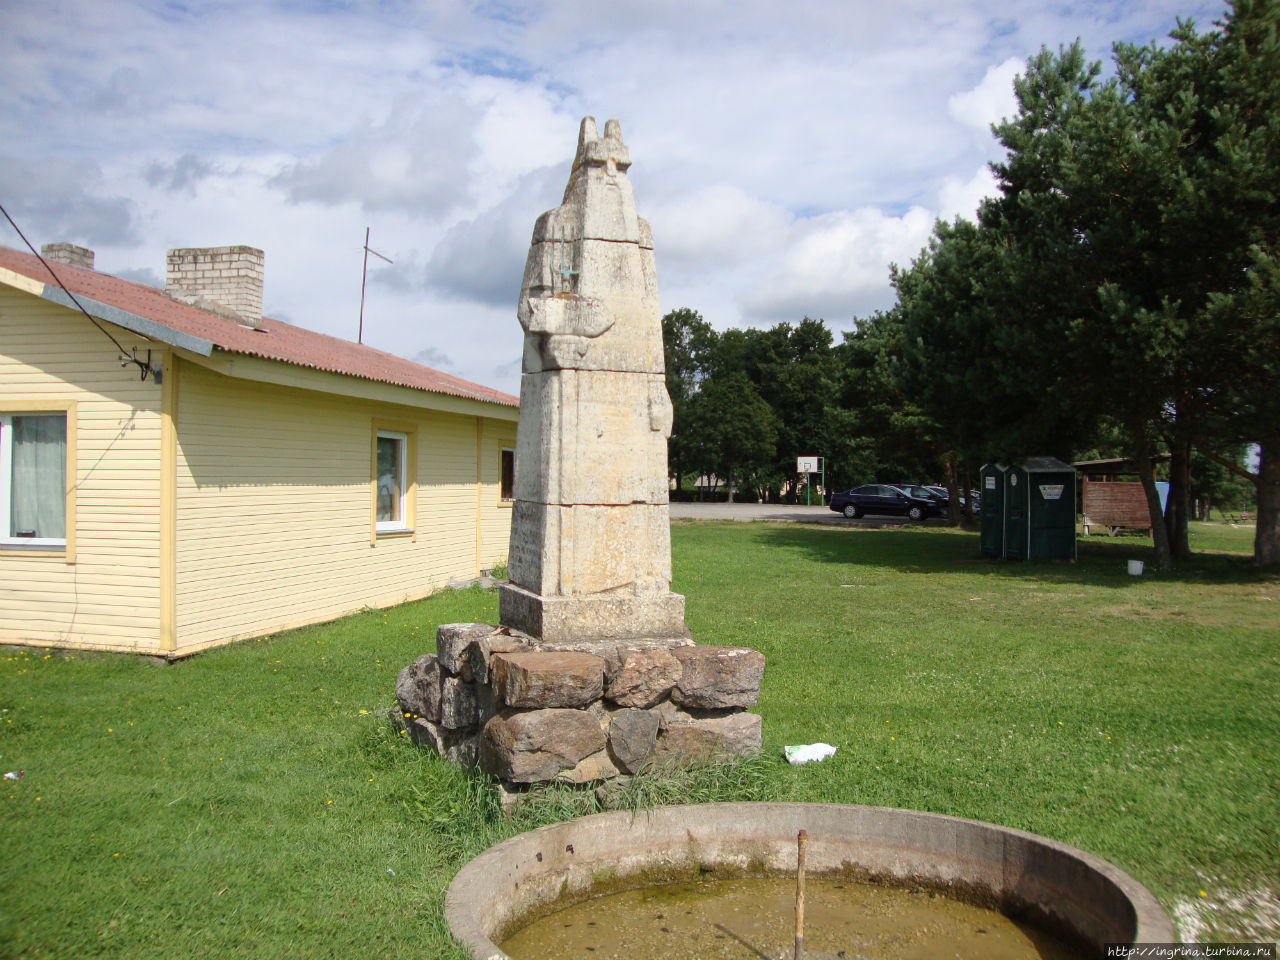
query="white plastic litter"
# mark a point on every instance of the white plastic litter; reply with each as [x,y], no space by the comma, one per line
[809,753]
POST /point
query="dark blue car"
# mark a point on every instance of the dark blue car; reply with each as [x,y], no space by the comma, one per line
[881,499]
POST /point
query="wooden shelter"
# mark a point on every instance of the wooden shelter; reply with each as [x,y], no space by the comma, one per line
[1111,503]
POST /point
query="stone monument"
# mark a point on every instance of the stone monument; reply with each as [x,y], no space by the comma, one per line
[591,672]
[590,555]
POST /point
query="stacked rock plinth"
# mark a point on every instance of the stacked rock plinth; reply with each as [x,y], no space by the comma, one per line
[528,712]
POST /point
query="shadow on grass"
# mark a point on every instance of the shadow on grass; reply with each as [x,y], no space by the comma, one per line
[944,551]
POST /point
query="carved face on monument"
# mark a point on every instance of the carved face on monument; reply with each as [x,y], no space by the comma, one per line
[589,300]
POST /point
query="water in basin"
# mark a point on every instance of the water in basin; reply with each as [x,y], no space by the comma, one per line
[753,918]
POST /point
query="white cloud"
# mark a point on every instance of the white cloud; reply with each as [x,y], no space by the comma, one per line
[958,197]
[60,198]
[835,266]
[523,128]
[416,160]
[482,259]
[432,357]
[716,225]
[991,100]
[183,174]
[784,153]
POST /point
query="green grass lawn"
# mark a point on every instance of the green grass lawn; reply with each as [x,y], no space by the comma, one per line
[254,800]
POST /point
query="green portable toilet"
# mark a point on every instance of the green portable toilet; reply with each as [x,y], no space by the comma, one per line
[1032,513]
[991,480]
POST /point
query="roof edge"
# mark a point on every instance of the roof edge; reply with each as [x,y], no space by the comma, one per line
[246,366]
[129,321]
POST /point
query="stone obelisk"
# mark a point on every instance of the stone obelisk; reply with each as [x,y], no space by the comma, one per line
[590,554]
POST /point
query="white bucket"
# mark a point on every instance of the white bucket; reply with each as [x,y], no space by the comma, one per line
[1135,568]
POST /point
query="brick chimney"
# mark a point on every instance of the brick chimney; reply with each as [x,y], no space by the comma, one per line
[226,280]
[68,253]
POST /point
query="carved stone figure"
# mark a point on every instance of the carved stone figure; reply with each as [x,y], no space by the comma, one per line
[592,672]
[590,554]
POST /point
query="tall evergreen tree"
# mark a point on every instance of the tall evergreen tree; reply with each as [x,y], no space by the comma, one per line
[1126,270]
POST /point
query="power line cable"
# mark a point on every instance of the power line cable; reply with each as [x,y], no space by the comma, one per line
[141,364]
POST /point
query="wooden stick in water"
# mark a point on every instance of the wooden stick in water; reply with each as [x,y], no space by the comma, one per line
[801,839]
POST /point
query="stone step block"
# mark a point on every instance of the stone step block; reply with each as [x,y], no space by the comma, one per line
[536,745]
[458,705]
[715,678]
[605,618]
[482,651]
[641,678]
[547,679]
[487,703]
[456,746]
[703,739]
[632,736]
[453,641]
[597,766]
[418,688]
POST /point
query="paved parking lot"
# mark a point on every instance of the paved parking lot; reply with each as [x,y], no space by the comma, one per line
[746,512]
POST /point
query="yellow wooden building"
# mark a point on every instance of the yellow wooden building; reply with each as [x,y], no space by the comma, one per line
[177,471]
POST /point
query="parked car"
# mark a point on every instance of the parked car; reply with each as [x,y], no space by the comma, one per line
[881,499]
[928,492]
[973,497]
[942,496]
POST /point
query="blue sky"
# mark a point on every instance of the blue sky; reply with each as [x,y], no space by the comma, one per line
[785,153]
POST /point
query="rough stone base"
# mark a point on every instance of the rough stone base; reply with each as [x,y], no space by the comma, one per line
[536,711]
[595,618]
[455,746]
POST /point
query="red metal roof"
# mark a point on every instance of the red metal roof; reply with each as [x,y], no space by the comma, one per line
[276,340]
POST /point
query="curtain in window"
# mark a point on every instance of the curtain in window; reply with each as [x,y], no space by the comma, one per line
[389,481]
[39,489]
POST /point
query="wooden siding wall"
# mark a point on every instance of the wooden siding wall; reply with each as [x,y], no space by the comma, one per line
[109,597]
[1115,504]
[273,507]
[495,514]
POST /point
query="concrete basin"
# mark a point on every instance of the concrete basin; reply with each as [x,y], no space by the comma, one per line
[1066,890]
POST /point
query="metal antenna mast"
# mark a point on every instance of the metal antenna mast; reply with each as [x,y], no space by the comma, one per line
[364,276]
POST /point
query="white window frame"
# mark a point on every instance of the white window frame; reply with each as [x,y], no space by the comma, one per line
[7,540]
[402,468]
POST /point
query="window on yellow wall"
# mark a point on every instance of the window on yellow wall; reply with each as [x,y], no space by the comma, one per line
[507,473]
[392,481]
[33,480]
